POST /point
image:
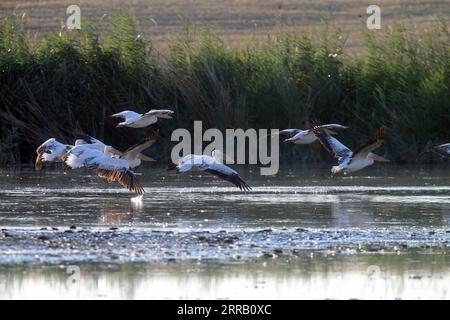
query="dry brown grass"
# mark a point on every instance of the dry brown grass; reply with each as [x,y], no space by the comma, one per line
[234,20]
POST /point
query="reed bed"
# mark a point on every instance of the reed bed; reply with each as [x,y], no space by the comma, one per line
[68,82]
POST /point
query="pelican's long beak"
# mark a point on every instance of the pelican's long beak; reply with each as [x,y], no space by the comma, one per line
[38,164]
[378,158]
[165,116]
[143,157]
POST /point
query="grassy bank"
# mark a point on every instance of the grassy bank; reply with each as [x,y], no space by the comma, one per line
[68,82]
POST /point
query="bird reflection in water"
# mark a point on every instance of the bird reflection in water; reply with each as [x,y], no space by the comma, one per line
[112,214]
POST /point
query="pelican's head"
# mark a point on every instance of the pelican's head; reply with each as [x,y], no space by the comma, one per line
[46,146]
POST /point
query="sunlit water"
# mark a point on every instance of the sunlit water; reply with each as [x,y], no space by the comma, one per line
[383,233]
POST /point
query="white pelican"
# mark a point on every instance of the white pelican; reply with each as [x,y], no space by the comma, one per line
[212,165]
[136,120]
[51,151]
[134,154]
[443,150]
[349,161]
[111,168]
[299,136]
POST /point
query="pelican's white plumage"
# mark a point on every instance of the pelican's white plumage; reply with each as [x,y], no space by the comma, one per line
[349,161]
[299,136]
[51,151]
[137,120]
[111,168]
[93,154]
[211,165]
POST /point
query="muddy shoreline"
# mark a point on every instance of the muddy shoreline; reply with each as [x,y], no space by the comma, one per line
[53,245]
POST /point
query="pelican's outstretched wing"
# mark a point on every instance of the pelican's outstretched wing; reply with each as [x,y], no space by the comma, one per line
[234,178]
[135,150]
[128,118]
[332,145]
[289,133]
[373,144]
[81,138]
[111,168]
[127,115]
[444,146]
[226,173]
[333,126]
[210,165]
[126,179]
[443,150]
[160,113]
[328,128]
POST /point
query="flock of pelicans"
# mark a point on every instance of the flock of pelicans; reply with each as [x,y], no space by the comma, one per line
[116,166]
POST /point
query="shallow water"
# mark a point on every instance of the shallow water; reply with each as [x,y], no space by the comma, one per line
[300,231]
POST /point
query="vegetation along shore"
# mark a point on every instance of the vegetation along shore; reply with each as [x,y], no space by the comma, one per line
[68,81]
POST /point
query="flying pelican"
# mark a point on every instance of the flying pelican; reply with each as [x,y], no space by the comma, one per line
[55,151]
[134,154]
[211,164]
[136,120]
[51,151]
[113,169]
[299,136]
[349,161]
[443,150]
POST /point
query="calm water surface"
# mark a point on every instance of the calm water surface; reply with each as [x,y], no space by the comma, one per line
[380,234]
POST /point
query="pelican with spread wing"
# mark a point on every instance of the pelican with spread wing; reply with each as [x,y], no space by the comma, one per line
[349,161]
[299,136]
[54,151]
[137,120]
[113,169]
[211,164]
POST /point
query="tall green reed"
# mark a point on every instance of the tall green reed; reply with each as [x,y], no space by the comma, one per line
[69,82]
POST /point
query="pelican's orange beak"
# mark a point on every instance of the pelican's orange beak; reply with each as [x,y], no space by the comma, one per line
[378,158]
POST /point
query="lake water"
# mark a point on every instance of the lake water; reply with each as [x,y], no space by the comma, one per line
[383,233]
